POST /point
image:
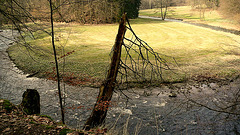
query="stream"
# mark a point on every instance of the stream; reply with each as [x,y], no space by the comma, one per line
[149,111]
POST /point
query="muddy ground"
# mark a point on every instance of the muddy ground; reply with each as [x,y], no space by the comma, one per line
[206,107]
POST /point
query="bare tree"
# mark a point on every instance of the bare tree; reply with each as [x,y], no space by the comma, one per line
[163,5]
[203,5]
[142,68]
[18,13]
[139,63]
[230,9]
[56,63]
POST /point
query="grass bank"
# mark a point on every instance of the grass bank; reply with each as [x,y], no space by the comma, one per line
[187,13]
[83,50]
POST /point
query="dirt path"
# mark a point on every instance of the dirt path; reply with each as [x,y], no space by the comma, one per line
[148,111]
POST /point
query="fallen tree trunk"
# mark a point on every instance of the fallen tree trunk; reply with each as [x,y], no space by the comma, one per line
[99,112]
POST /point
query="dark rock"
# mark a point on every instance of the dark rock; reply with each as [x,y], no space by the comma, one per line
[32,75]
[172,94]
[31,102]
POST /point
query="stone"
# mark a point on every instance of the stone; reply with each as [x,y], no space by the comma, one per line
[31,102]
[172,94]
[213,86]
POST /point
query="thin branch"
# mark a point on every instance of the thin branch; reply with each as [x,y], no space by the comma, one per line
[56,62]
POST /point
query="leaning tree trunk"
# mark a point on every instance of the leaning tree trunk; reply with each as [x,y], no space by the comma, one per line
[106,89]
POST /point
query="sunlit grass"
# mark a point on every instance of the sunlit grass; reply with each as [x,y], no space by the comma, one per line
[187,13]
[198,51]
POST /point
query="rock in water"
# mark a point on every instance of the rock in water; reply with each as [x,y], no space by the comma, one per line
[172,94]
[31,102]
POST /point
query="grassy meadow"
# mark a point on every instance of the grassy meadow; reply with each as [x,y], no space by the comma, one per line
[187,13]
[198,51]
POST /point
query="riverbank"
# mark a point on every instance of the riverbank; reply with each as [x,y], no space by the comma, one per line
[15,122]
[147,111]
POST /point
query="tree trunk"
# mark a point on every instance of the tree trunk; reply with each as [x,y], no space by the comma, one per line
[150,4]
[165,13]
[31,102]
[106,89]
[161,9]
[56,62]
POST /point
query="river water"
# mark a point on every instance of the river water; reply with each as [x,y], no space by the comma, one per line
[149,111]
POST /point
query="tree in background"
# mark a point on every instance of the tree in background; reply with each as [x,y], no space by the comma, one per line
[9,11]
[131,7]
[203,5]
[163,5]
[147,4]
[82,11]
[150,4]
[230,9]
[94,11]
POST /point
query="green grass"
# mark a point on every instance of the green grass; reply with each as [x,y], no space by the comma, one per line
[46,116]
[64,131]
[7,105]
[198,51]
[187,13]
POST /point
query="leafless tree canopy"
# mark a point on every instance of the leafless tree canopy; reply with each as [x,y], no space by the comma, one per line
[83,11]
[230,9]
[149,4]
[140,63]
